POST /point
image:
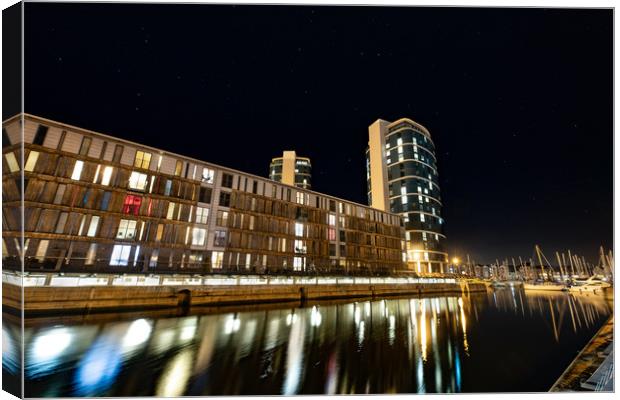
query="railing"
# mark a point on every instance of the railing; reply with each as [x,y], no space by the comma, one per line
[81,280]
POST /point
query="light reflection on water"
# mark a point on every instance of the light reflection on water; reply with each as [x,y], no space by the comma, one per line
[505,340]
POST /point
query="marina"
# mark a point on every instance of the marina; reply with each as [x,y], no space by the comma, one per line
[414,344]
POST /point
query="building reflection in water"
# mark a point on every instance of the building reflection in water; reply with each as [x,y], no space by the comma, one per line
[414,345]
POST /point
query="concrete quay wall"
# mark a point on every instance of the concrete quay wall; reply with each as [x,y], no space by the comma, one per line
[40,300]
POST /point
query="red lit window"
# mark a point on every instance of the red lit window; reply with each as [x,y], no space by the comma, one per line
[132,204]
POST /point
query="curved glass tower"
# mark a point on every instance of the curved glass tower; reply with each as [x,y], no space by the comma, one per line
[402,178]
[291,169]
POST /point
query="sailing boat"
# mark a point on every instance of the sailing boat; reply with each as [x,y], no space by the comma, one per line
[592,284]
[547,285]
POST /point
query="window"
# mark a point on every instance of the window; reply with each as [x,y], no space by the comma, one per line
[170,214]
[136,255]
[126,229]
[85,146]
[207,175]
[299,229]
[154,257]
[422,218]
[331,219]
[32,161]
[62,220]
[91,254]
[224,199]
[331,234]
[137,181]
[132,204]
[299,198]
[107,175]
[300,246]
[219,239]
[403,193]
[59,194]
[120,255]
[77,170]
[222,218]
[92,228]
[42,250]
[118,153]
[227,180]
[39,137]
[216,259]
[160,232]
[11,162]
[105,200]
[202,215]
[199,235]
[298,263]
[332,250]
[168,188]
[178,168]
[143,160]
[205,195]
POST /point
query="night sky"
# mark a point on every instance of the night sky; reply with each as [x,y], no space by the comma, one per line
[518,101]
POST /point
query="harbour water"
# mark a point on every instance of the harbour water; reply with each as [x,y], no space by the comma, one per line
[500,341]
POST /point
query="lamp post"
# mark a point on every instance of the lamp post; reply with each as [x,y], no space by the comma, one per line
[455,262]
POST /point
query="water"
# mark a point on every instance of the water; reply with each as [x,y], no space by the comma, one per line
[499,341]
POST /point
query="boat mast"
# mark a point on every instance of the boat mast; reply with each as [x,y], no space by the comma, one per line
[540,261]
[560,264]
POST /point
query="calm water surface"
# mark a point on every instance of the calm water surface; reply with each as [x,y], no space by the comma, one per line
[503,340]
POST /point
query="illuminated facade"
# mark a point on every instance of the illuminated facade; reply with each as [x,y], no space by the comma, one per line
[402,178]
[291,170]
[95,203]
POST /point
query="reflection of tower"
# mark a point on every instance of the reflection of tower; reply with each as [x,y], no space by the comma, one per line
[402,178]
[294,356]
[291,170]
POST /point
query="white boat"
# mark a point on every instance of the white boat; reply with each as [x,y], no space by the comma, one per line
[546,286]
[592,284]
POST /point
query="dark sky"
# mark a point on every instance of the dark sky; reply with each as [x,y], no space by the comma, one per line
[518,101]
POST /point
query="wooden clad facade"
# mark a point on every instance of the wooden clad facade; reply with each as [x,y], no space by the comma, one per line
[95,203]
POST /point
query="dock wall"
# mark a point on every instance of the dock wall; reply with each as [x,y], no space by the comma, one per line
[40,300]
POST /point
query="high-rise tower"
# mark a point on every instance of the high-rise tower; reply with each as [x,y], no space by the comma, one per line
[402,178]
[291,170]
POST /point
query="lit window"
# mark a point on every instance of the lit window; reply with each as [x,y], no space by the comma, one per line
[97,173]
[399,141]
[92,228]
[299,229]
[143,160]
[331,233]
[132,204]
[419,189]
[298,263]
[77,170]
[90,254]
[299,197]
[216,259]
[331,219]
[202,215]
[300,246]
[32,161]
[135,256]
[160,232]
[137,181]
[12,162]
[424,236]
[178,168]
[222,218]
[207,175]
[422,218]
[420,199]
[168,188]
[120,255]
[219,238]
[170,214]
[199,235]
[154,257]
[42,250]
[126,229]
[403,193]
[107,175]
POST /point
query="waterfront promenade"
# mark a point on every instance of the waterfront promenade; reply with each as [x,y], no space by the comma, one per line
[83,293]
